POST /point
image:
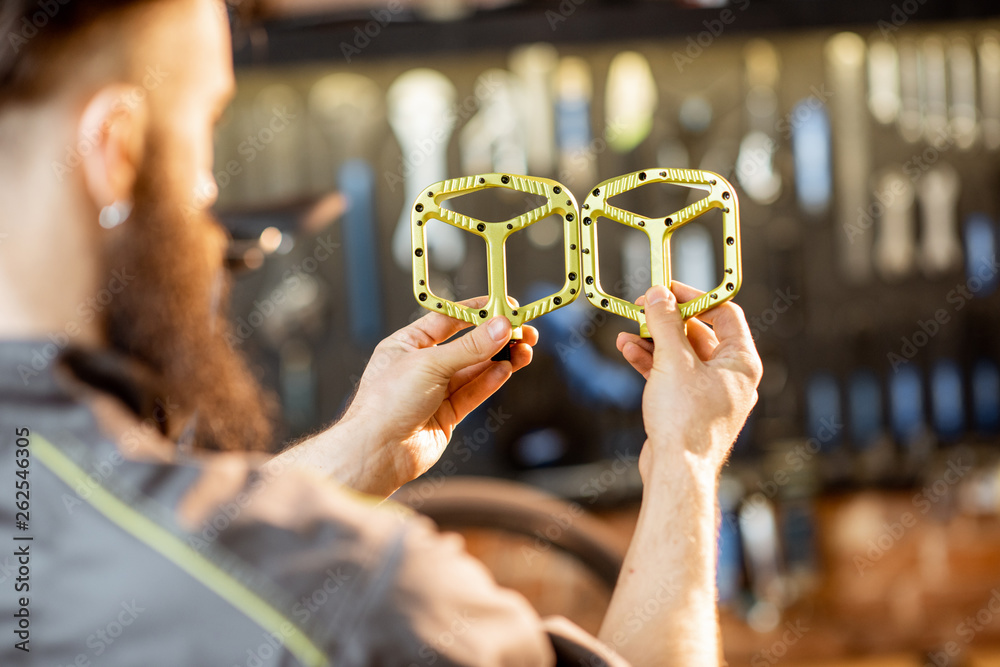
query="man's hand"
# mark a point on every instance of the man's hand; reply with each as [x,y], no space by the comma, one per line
[414,392]
[701,384]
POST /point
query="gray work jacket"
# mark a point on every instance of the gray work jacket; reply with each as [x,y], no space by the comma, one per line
[121,551]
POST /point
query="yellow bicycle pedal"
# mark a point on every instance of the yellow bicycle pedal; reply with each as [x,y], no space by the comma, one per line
[721,195]
[558,201]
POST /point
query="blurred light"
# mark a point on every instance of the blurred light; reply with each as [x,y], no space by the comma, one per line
[253,258]
[986,395]
[810,127]
[541,447]
[693,257]
[695,114]
[907,404]
[865,400]
[271,239]
[883,82]
[630,100]
[946,396]
[823,410]
[980,253]
[846,48]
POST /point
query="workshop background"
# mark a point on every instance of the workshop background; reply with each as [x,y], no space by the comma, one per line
[859,522]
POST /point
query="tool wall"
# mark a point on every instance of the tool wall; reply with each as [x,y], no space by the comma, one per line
[866,161]
[866,168]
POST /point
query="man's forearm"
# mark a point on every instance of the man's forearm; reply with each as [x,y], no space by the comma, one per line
[663,611]
[348,455]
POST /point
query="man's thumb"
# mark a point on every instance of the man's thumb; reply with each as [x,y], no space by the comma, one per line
[478,345]
[663,319]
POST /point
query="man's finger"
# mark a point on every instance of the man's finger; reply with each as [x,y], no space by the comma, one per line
[702,339]
[684,292]
[529,335]
[712,316]
[466,375]
[434,328]
[637,351]
[624,338]
[730,327]
[727,320]
[638,357]
[477,346]
[520,356]
[472,395]
[665,324]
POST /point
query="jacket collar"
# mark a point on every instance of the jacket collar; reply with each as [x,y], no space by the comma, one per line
[38,371]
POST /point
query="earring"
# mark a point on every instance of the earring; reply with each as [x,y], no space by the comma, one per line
[115,214]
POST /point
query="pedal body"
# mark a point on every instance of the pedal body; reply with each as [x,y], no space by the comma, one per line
[558,201]
[720,195]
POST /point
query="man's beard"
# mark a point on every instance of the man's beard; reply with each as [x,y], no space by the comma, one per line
[168,316]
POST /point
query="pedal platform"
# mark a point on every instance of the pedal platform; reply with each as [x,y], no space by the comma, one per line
[580,249]
[721,195]
[558,201]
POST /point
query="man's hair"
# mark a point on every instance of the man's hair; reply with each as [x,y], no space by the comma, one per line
[168,320]
[36,37]
[40,40]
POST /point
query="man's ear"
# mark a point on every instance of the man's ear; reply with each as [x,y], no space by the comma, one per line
[113,126]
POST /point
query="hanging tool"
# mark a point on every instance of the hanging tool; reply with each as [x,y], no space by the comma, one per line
[883,81]
[494,139]
[934,90]
[534,66]
[755,169]
[630,100]
[895,247]
[347,108]
[845,57]
[941,246]
[989,88]
[910,116]
[980,253]
[422,117]
[574,90]
[812,155]
[963,125]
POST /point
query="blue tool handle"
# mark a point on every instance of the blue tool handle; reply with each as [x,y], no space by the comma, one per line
[357,184]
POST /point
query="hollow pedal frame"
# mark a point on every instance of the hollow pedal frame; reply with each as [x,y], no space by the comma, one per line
[721,195]
[558,201]
[580,239]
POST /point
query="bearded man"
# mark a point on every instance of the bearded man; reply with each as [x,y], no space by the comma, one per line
[137,529]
